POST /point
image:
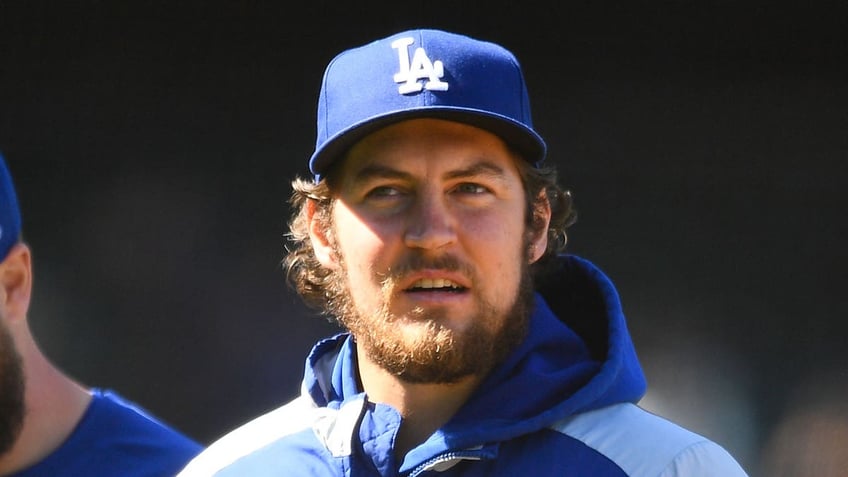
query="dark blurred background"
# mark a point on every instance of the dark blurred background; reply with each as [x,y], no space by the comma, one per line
[705,143]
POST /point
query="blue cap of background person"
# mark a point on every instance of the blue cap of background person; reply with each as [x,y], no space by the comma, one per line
[10,216]
[423,73]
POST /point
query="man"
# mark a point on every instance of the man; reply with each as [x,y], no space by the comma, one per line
[433,232]
[50,425]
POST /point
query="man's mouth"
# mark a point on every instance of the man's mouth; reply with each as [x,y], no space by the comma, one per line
[435,284]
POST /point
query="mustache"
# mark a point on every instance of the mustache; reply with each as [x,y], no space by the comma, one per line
[415,262]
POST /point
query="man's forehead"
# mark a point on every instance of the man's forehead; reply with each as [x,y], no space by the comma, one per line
[426,128]
[428,142]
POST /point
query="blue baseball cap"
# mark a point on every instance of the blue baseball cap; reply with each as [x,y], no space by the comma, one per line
[423,73]
[10,215]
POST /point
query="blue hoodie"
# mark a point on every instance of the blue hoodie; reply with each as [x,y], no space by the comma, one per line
[562,404]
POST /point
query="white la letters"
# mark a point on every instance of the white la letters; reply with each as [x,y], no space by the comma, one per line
[421,67]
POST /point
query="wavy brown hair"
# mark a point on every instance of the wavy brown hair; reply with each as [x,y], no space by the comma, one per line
[315,283]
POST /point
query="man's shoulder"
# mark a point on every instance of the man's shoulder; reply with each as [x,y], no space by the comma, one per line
[112,415]
[252,436]
[125,439]
[643,443]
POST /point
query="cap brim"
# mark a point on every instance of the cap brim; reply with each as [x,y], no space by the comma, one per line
[523,139]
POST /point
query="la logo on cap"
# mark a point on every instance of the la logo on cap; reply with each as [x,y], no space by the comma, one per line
[420,68]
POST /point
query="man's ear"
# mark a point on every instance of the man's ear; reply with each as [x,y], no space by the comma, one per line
[539,228]
[16,282]
[319,235]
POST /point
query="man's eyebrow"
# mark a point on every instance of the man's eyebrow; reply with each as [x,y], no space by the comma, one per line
[378,171]
[479,168]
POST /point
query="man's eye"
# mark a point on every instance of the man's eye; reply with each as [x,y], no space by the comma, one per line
[383,191]
[471,188]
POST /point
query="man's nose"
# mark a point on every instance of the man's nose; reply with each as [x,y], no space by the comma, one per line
[430,224]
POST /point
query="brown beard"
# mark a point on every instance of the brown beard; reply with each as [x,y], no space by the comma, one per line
[12,408]
[443,356]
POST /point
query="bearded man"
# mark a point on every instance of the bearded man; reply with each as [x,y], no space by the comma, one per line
[433,231]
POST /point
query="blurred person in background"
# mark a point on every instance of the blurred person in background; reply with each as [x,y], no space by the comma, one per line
[50,424]
[811,438]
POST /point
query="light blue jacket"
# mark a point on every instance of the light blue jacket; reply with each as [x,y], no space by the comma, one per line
[562,404]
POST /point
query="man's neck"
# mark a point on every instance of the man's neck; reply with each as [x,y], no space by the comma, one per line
[424,407]
[54,405]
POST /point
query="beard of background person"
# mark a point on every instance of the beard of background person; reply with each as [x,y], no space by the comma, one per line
[12,386]
[443,355]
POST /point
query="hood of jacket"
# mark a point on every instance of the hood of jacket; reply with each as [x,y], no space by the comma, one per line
[577,356]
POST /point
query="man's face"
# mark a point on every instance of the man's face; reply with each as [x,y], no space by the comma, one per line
[11,390]
[431,248]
